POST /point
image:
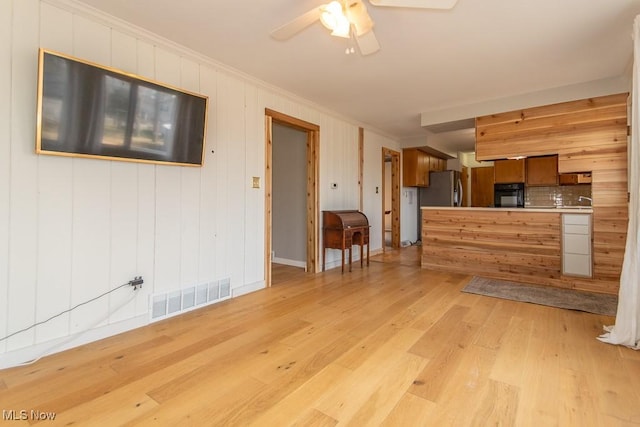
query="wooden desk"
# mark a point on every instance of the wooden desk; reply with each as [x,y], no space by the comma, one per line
[343,229]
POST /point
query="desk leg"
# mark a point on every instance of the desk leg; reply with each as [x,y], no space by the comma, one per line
[350,257]
[324,249]
[361,255]
[367,254]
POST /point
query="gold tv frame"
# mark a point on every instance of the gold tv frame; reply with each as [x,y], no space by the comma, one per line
[126,76]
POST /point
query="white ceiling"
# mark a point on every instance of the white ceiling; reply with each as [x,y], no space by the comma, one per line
[429,60]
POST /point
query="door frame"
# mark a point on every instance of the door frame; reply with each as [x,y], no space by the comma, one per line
[313,145]
[395,197]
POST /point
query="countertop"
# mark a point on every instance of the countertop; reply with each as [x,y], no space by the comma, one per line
[564,209]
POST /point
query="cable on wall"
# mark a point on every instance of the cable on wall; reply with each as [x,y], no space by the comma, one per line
[136,283]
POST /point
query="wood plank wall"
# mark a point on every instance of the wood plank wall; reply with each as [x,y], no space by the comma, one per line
[516,245]
[587,135]
[513,245]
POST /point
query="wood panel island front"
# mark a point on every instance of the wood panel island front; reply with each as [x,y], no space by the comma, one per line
[515,244]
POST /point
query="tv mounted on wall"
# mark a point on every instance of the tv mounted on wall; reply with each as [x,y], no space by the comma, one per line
[89,110]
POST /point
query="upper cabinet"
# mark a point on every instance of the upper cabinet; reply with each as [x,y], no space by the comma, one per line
[509,171]
[415,168]
[437,164]
[417,164]
[542,170]
[482,187]
[575,178]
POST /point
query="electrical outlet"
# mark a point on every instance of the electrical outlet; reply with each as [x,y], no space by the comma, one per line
[255,182]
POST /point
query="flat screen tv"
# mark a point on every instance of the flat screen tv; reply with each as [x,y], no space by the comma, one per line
[89,110]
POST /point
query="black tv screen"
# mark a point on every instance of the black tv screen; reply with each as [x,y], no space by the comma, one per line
[85,109]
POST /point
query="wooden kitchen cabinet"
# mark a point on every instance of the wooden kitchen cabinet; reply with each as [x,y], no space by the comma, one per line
[433,164]
[509,171]
[542,170]
[415,168]
[575,178]
[437,164]
[482,187]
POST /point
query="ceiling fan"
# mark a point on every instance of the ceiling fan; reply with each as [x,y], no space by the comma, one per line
[349,18]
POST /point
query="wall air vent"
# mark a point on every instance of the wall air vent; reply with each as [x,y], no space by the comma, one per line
[168,304]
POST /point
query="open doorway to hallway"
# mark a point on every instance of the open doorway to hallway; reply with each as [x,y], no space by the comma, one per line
[289,201]
[291,193]
[390,198]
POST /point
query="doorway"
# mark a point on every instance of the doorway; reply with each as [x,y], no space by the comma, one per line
[390,198]
[312,133]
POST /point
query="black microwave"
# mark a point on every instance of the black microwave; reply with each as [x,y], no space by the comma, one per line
[508,195]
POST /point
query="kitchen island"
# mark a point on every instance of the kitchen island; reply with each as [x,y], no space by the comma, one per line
[515,244]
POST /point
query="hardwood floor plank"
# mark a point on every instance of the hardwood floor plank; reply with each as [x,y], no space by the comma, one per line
[113,409]
[507,368]
[236,350]
[493,330]
[344,400]
[84,360]
[617,389]
[391,344]
[440,334]
[497,406]
[438,303]
[314,418]
[538,403]
[435,377]
[299,400]
[411,410]
[466,385]
[387,393]
[579,404]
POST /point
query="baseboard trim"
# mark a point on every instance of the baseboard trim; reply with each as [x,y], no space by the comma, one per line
[246,289]
[26,355]
[291,262]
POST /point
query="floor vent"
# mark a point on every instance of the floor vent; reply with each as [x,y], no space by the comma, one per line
[169,304]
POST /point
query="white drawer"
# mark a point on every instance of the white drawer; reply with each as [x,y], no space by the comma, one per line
[576,265]
[576,229]
[579,219]
[577,244]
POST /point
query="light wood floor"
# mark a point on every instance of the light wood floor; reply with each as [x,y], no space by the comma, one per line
[388,345]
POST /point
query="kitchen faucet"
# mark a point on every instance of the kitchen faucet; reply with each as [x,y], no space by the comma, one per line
[581,198]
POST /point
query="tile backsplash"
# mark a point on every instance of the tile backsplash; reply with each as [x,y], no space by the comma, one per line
[558,195]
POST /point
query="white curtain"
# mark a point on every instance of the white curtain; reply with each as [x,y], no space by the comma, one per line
[626,331]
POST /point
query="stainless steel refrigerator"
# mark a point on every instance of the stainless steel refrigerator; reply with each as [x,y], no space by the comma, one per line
[445,189]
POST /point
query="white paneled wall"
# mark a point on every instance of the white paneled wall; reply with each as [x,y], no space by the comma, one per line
[23,174]
[5,161]
[74,228]
[254,166]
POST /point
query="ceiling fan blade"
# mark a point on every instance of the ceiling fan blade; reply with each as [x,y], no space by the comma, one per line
[367,43]
[417,4]
[292,28]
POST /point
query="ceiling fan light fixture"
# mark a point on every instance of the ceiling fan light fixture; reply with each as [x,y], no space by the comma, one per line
[343,27]
[334,19]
